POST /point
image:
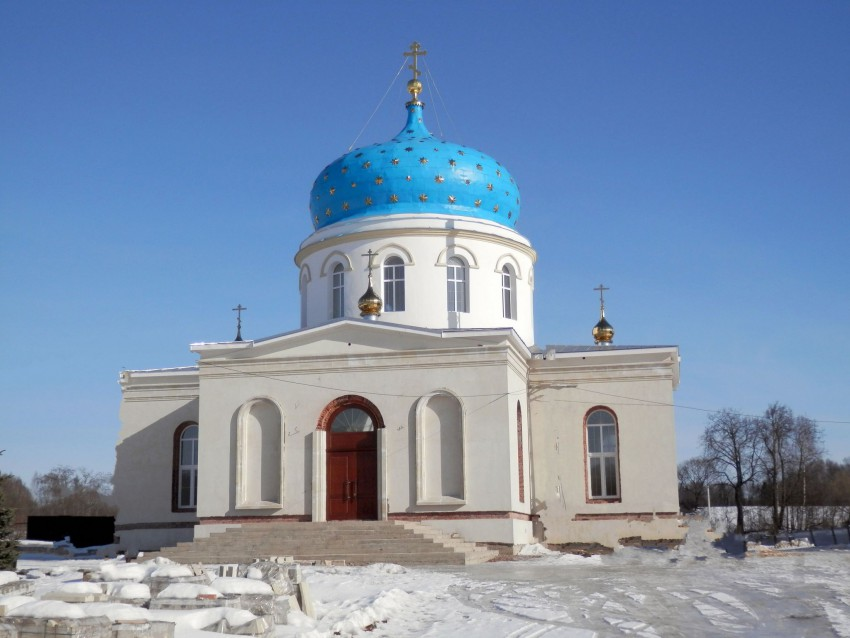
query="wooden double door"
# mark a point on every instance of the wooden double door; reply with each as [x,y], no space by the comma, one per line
[352,475]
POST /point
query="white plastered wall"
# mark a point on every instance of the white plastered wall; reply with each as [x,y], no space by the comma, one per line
[423,243]
[637,386]
[303,385]
[154,404]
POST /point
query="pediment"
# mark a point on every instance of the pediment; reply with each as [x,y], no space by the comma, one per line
[349,337]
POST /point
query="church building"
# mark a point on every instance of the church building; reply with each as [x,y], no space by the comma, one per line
[413,389]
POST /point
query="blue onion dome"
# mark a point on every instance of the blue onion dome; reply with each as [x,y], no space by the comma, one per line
[414,172]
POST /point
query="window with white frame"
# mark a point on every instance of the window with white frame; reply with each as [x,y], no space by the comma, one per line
[508,292]
[602,455]
[338,292]
[393,284]
[456,285]
[187,467]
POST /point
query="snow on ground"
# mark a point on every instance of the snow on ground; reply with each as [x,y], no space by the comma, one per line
[696,590]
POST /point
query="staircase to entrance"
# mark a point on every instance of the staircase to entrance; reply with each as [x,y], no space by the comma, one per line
[355,542]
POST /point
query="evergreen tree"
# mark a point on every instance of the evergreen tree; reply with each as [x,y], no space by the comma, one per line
[8,539]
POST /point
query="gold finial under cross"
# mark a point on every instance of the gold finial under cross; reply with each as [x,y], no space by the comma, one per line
[601,290]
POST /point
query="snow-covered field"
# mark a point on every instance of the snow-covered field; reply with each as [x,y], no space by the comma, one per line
[696,590]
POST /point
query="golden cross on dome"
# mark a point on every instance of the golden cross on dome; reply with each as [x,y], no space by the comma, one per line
[371,257]
[415,50]
[601,290]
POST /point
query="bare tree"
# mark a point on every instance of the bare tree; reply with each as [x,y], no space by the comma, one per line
[775,431]
[731,443]
[694,476]
[805,451]
[73,491]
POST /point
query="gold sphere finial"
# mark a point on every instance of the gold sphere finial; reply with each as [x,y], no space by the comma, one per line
[414,87]
[603,332]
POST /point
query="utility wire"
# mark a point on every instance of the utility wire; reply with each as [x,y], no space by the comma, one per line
[384,97]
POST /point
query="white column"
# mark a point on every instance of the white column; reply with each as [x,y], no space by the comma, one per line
[319,484]
[383,497]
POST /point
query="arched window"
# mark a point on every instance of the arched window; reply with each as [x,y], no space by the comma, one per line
[338,292]
[393,284]
[508,292]
[602,463]
[456,286]
[185,490]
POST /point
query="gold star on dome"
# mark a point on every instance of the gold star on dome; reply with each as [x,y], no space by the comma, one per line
[353,184]
[489,187]
[452,199]
[439,179]
[345,206]
[368,201]
[467,182]
[423,160]
[367,164]
[326,177]
[408,178]
[496,208]
[452,162]
[460,152]
[379,180]
[479,167]
[393,198]
[477,203]
[344,170]
[317,219]
[327,212]
[394,161]
[332,190]
[423,197]
[499,173]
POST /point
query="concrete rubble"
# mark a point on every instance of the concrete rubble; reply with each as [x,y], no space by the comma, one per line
[289,592]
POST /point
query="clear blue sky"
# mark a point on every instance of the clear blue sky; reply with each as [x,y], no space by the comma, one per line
[156,160]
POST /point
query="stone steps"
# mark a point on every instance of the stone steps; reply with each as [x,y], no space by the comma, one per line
[355,542]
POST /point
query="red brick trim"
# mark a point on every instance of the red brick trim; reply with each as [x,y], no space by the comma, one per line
[643,517]
[348,401]
[459,516]
[172,525]
[285,518]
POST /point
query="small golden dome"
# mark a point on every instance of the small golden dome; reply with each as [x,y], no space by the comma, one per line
[370,304]
[603,332]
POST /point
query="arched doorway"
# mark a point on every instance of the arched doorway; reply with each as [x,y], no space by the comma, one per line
[352,425]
